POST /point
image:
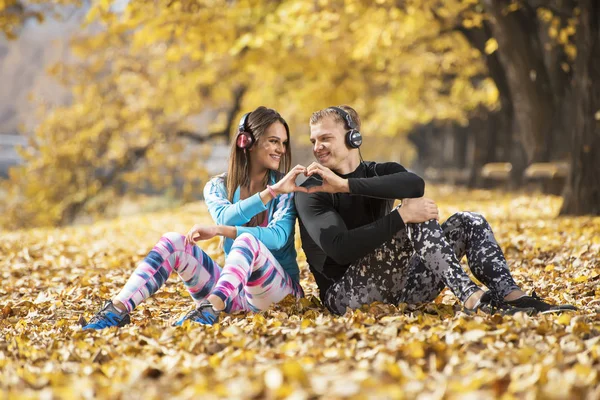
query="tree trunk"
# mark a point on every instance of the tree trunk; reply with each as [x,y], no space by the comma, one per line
[522,57]
[555,59]
[582,194]
[495,139]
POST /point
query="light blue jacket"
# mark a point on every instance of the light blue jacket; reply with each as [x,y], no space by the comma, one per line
[277,236]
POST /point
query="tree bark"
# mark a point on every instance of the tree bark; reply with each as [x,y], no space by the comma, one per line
[560,79]
[582,194]
[522,57]
[494,140]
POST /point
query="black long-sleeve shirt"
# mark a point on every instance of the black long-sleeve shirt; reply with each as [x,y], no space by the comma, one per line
[338,229]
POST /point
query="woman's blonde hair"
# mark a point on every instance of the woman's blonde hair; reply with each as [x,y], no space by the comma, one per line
[238,173]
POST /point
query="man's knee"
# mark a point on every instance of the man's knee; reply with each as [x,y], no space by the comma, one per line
[468,217]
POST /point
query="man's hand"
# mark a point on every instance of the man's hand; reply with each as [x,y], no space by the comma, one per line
[418,210]
[200,232]
[287,184]
[331,182]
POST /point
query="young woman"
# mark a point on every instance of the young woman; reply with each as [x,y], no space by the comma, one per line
[253,208]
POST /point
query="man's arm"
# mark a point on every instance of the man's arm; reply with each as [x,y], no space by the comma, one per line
[327,228]
[392,181]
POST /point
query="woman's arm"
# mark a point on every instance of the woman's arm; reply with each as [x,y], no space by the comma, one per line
[224,212]
[276,234]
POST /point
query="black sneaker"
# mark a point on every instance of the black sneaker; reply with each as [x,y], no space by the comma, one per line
[107,317]
[534,301]
[490,305]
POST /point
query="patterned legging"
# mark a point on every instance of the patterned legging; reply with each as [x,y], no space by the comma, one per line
[251,280]
[419,262]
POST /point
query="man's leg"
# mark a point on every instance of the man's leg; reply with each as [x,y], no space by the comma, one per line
[471,234]
[378,276]
[392,274]
[423,285]
[468,233]
[438,262]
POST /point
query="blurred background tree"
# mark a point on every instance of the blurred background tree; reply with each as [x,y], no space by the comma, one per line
[452,85]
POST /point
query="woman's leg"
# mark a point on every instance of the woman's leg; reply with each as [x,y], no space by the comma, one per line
[197,270]
[253,276]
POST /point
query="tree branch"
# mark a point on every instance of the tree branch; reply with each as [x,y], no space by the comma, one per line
[126,164]
[238,95]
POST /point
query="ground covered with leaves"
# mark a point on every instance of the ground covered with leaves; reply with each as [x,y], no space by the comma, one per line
[51,278]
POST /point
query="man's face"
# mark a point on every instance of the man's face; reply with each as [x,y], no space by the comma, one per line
[329,147]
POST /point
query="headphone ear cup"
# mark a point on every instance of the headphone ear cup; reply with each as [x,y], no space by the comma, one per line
[353,139]
[244,140]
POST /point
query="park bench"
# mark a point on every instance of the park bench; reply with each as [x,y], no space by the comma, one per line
[548,177]
[496,174]
[453,176]
[496,171]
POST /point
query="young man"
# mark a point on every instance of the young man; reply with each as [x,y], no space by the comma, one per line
[361,251]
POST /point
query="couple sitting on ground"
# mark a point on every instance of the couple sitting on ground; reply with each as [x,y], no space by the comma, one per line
[358,248]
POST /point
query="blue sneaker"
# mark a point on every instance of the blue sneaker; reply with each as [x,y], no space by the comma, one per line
[204,314]
[107,317]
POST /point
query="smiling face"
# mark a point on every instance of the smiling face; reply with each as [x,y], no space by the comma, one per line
[269,149]
[329,147]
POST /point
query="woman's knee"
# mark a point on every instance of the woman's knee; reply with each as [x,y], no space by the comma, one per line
[246,240]
[173,241]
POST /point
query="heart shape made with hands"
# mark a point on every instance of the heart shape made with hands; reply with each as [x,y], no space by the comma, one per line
[309,181]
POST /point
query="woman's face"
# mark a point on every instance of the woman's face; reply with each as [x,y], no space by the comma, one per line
[270,147]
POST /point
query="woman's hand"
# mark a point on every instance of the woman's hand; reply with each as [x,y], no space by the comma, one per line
[332,183]
[287,184]
[200,232]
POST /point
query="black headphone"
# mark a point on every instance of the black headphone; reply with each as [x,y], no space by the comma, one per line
[353,136]
[245,138]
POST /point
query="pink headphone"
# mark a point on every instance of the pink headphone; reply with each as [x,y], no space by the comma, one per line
[245,138]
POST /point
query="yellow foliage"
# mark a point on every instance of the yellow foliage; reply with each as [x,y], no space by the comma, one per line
[154,64]
[53,277]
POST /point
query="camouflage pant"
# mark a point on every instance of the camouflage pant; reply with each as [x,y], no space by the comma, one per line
[416,265]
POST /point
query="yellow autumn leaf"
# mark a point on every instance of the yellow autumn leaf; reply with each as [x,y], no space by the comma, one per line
[491,46]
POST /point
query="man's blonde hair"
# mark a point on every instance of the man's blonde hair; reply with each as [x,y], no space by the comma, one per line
[318,116]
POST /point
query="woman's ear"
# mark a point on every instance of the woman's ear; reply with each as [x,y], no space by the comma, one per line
[254,145]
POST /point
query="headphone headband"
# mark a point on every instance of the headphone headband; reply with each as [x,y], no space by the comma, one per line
[345,116]
[243,122]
